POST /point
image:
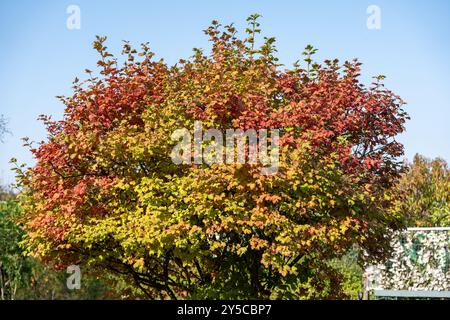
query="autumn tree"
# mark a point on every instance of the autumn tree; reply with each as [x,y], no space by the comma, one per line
[104,190]
[425,189]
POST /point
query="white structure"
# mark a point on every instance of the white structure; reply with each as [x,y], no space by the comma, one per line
[419,266]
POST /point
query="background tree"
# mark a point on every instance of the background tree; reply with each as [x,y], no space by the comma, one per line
[13,266]
[105,192]
[426,192]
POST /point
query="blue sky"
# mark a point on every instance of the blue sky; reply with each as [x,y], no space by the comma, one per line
[40,57]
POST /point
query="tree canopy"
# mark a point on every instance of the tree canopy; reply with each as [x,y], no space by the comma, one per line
[105,192]
[425,190]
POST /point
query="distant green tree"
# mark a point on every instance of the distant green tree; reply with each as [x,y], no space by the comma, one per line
[425,187]
[14,268]
[351,271]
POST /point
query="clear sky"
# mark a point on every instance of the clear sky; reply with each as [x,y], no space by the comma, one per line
[40,56]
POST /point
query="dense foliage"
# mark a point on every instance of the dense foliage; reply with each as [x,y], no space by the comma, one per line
[24,277]
[425,187]
[12,264]
[105,192]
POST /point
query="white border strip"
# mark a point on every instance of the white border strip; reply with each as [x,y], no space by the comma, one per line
[412,294]
[429,229]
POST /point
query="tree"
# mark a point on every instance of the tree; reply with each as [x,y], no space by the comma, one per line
[425,187]
[13,266]
[105,192]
